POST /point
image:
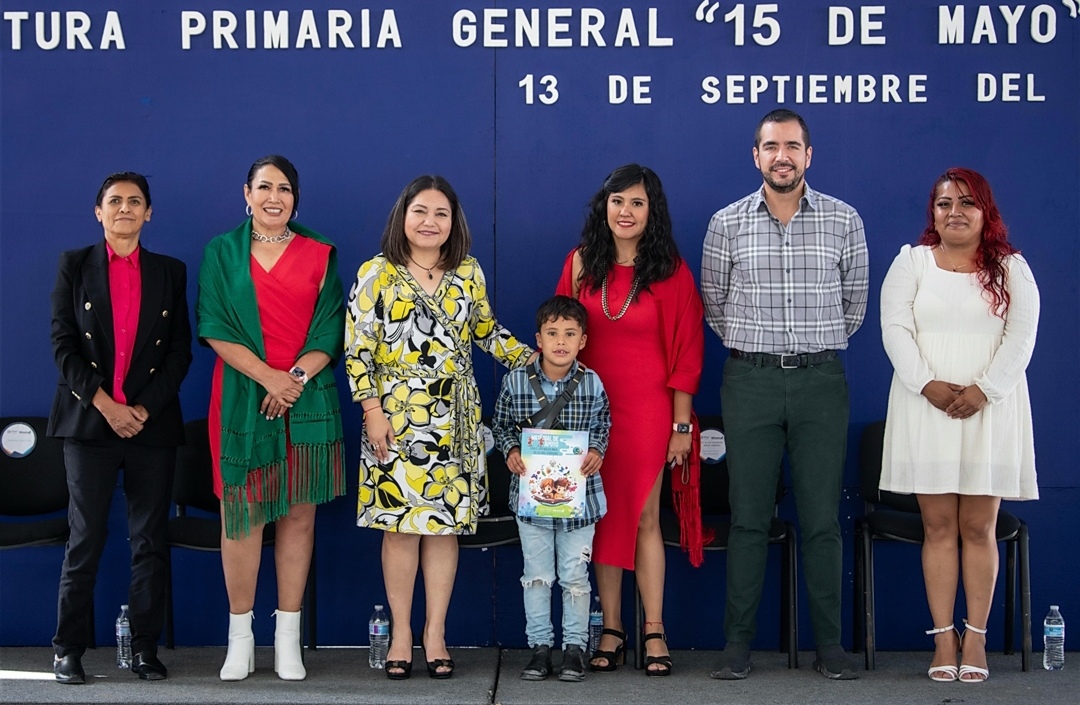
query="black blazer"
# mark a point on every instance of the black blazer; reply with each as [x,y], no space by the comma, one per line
[82,339]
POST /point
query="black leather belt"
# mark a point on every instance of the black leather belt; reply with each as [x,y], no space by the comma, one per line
[787,362]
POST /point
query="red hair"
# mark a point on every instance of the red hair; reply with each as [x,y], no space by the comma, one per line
[994,248]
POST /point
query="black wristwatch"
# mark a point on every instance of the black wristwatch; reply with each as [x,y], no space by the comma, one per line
[681,427]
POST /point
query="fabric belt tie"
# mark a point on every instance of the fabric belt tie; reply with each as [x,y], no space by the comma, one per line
[786,361]
[464,441]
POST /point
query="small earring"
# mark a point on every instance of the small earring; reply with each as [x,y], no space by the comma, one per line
[248,211]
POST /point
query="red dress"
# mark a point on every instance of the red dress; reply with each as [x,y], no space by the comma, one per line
[286,296]
[657,347]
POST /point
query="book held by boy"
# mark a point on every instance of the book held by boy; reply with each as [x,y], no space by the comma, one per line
[553,484]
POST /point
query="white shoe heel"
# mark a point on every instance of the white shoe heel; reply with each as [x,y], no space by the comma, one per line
[945,673]
[288,661]
[240,659]
[981,674]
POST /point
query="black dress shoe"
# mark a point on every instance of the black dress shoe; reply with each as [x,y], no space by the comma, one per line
[148,667]
[68,669]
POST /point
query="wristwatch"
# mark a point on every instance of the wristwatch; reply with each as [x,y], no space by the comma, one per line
[681,427]
[298,372]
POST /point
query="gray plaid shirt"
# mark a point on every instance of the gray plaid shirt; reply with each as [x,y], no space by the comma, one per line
[774,289]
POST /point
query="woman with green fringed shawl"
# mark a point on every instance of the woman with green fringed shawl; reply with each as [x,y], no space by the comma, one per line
[413,316]
[270,305]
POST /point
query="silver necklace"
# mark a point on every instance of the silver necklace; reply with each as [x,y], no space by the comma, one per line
[259,237]
[626,304]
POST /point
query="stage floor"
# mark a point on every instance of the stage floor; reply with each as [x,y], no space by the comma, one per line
[486,676]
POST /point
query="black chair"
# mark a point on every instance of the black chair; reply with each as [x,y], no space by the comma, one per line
[716,517]
[499,526]
[193,488]
[895,517]
[33,485]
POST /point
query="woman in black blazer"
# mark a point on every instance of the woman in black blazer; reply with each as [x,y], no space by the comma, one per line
[122,341]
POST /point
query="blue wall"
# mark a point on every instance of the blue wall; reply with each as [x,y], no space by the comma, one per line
[361,122]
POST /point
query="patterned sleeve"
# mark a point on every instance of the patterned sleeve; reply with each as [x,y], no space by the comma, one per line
[855,274]
[363,329]
[600,431]
[716,266]
[491,337]
[503,424]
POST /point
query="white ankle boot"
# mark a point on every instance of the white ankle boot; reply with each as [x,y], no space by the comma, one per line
[287,660]
[240,660]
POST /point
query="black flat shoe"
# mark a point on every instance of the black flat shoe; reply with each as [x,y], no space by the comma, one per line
[403,668]
[68,670]
[613,658]
[664,662]
[148,667]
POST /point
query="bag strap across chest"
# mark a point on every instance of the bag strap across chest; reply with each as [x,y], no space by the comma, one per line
[548,414]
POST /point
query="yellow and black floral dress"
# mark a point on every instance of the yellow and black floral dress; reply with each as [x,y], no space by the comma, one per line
[414,351]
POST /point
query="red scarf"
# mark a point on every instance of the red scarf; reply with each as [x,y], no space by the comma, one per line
[686,497]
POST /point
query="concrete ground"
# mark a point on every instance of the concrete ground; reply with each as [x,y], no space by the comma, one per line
[487,676]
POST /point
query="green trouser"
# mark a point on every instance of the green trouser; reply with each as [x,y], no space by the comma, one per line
[766,409]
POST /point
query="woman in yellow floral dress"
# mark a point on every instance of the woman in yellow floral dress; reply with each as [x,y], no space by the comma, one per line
[414,313]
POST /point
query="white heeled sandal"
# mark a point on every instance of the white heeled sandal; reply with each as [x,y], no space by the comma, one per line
[240,658]
[966,670]
[945,673]
[288,660]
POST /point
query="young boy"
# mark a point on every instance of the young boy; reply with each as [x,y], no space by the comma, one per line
[554,545]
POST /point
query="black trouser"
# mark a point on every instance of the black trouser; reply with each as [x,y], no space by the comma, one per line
[805,410]
[92,468]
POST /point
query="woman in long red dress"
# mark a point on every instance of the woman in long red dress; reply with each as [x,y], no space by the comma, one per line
[646,341]
[271,306]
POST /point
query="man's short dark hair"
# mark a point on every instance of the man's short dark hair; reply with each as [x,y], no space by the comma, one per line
[559,306]
[783,115]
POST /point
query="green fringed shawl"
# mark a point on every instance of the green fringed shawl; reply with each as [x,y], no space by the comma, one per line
[254,466]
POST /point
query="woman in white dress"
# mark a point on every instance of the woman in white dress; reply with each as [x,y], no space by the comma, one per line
[958,317]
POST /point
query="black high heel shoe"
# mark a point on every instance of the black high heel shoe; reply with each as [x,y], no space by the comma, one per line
[404,672]
[434,666]
[664,662]
[613,658]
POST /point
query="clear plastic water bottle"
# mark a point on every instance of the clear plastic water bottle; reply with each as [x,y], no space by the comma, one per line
[596,625]
[1054,640]
[123,639]
[378,638]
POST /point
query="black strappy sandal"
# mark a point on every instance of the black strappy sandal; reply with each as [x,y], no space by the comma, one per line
[614,658]
[663,661]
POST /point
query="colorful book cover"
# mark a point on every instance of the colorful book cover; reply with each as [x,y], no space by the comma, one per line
[553,484]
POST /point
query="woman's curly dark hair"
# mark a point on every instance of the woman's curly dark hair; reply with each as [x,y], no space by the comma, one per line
[994,249]
[657,253]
